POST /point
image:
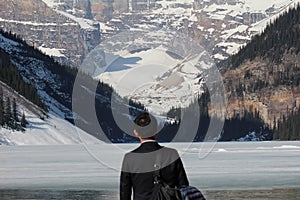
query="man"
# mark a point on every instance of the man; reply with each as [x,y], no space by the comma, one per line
[138,165]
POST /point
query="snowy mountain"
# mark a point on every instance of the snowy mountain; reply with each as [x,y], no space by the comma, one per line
[222,27]
[156,52]
[139,54]
[68,30]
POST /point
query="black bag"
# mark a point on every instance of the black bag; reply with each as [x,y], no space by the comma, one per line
[162,191]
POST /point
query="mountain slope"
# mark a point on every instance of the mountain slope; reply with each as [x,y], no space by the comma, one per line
[54,84]
[265,74]
[262,83]
[41,128]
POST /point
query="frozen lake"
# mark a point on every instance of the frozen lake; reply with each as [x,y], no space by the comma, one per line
[221,166]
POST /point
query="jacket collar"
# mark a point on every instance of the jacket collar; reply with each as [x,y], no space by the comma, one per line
[149,141]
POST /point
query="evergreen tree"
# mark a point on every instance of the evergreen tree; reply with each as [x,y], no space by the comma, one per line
[23,121]
[15,112]
[289,127]
[1,108]
[8,115]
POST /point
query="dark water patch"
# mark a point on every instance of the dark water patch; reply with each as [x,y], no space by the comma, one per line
[54,194]
[274,194]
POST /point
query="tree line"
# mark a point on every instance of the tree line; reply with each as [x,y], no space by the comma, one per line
[288,128]
[9,114]
[235,127]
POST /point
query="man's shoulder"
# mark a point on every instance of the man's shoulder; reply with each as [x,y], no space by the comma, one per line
[133,160]
[160,149]
[170,152]
[153,146]
[167,149]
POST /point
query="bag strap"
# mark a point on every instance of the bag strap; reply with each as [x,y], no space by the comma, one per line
[157,167]
[159,183]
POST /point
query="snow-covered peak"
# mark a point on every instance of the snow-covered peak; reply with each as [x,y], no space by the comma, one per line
[258,5]
[53,3]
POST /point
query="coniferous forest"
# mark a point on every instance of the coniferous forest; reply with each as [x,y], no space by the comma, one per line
[10,115]
[278,46]
[279,37]
[10,75]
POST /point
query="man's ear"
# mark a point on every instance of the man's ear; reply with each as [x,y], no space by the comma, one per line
[136,133]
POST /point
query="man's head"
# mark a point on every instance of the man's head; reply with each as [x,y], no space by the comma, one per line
[145,125]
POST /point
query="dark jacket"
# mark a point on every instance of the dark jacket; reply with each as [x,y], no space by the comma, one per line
[137,161]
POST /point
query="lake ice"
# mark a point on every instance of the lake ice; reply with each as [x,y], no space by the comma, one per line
[232,165]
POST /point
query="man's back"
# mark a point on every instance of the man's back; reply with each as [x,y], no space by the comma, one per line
[138,167]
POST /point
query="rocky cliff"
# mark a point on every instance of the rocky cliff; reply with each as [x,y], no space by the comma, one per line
[253,87]
[66,37]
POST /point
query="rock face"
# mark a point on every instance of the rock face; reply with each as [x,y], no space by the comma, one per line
[66,37]
[246,89]
[220,26]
